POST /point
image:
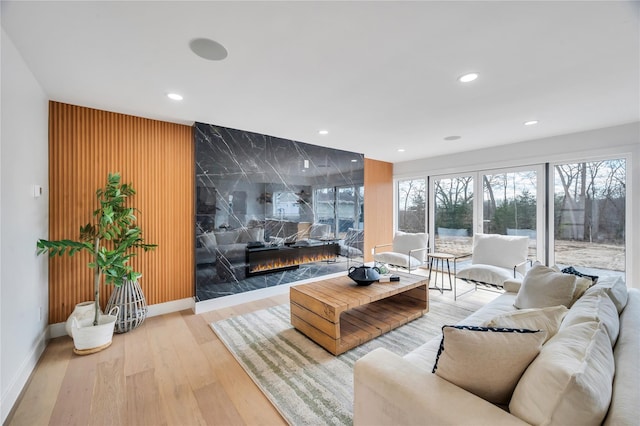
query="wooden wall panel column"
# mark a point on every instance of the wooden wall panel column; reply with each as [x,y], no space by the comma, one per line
[378,205]
[157,158]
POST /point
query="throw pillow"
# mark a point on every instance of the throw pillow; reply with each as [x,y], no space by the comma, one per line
[486,361]
[616,289]
[582,285]
[570,382]
[572,270]
[543,287]
[595,305]
[547,319]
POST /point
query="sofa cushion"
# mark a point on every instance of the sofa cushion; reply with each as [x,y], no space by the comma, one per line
[398,259]
[624,408]
[486,361]
[595,305]
[246,235]
[226,237]
[318,231]
[543,287]
[499,250]
[403,242]
[547,319]
[487,274]
[616,289]
[569,383]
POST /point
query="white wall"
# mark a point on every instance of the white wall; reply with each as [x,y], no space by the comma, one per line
[23,219]
[623,140]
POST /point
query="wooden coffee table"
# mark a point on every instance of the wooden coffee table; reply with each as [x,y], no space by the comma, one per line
[339,315]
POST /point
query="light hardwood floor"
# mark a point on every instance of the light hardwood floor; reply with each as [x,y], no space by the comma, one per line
[172,370]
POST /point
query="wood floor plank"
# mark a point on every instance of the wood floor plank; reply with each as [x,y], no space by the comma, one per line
[137,357]
[109,394]
[194,363]
[178,401]
[247,398]
[216,406]
[143,406]
[43,388]
[198,326]
[73,406]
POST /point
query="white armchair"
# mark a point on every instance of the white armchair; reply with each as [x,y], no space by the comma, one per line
[408,250]
[496,258]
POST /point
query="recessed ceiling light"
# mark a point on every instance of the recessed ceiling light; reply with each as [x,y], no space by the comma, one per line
[208,49]
[323,132]
[174,96]
[354,161]
[452,138]
[401,150]
[531,122]
[468,77]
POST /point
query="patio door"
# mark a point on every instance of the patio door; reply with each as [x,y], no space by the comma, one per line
[453,214]
[511,203]
[589,213]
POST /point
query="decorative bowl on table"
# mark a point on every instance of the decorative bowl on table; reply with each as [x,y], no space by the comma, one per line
[364,275]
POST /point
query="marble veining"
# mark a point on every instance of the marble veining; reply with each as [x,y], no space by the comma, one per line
[260,189]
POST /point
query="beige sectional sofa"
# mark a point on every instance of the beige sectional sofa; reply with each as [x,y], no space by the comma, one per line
[587,372]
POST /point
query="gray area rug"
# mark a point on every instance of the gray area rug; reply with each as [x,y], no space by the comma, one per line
[307,384]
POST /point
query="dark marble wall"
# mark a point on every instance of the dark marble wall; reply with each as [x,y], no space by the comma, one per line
[259,189]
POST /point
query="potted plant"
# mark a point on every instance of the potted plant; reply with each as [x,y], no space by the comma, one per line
[112,240]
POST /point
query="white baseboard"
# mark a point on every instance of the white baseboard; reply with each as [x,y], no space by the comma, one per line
[250,296]
[169,307]
[20,379]
[58,329]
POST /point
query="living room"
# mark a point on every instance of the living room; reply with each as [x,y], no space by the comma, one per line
[595,116]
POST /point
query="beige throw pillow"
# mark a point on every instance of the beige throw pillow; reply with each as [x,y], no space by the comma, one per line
[487,362]
[547,319]
[570,382]
[595,305]
[543,287]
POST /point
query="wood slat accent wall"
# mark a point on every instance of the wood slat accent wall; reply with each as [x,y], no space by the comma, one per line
[378,205]
[157,158]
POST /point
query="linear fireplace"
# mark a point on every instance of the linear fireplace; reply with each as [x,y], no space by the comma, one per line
[269,259]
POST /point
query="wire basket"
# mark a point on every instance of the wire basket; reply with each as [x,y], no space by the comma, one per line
[132,303]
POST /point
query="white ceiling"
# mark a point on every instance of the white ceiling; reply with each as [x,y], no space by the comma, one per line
[378,75]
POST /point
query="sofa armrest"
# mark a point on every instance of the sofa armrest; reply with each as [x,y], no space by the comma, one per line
[389,390]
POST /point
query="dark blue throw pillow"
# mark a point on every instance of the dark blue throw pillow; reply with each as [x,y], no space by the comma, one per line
[571,270]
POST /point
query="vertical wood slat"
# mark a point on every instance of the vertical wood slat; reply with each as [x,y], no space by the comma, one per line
[378,205]
[157,158]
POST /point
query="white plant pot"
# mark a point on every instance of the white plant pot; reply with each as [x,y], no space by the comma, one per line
[84,313]
[87,337]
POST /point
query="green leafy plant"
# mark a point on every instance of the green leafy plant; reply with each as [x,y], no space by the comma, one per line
[112,239]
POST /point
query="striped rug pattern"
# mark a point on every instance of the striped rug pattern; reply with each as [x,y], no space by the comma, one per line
[307,384]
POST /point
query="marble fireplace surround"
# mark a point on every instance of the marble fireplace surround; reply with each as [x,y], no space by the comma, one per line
[259,189]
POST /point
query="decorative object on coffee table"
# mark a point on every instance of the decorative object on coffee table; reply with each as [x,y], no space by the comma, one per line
[364,275]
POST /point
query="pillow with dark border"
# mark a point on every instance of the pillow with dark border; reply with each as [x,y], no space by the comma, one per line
[487,361]
[571,270]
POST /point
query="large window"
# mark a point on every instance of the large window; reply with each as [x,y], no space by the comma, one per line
[453,214]
[589,215]
[412,205]
[510,205]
